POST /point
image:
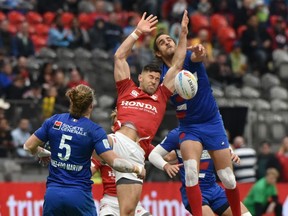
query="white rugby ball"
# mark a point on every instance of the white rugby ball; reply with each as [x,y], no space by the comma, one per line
[186,84]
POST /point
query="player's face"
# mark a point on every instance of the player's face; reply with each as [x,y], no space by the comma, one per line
[271,179]
[149,81]
[166,46]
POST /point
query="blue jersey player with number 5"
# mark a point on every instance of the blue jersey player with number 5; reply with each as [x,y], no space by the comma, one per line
[72,138]
[200,126]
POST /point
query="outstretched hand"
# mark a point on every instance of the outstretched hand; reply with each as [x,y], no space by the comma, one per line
[199,50]
[147,25]
[172,169]
[184,22]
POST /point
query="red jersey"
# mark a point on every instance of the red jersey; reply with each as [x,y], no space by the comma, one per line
[283,159]
[145,112]
[108,177]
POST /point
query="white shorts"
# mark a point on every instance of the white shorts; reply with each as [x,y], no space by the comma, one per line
[131,151]
[109,206]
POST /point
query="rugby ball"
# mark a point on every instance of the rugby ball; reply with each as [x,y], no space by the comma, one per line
[186,84]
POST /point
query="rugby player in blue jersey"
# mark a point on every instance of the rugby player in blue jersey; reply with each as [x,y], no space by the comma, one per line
[200,126]
[72,139]
[214,199]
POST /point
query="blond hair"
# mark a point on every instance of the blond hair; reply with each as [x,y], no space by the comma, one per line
[80,97]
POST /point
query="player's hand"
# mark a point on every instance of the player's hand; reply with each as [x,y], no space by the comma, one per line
[235,158]
[44,161]
[142,174]
[184,23]
[172,170]
[147,25]
[198,50]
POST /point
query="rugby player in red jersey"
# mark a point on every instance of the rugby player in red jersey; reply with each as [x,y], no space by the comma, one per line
[140,108]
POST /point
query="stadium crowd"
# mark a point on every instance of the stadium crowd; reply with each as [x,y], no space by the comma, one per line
[48,47]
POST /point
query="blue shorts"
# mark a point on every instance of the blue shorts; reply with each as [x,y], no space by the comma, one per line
[214,197]
[211,134]
[61,201]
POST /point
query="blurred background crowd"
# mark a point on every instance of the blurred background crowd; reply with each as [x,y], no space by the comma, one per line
[48,46]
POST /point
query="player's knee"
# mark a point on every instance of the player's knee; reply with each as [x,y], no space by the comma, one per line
[227,177]
[246,214]
[191,173]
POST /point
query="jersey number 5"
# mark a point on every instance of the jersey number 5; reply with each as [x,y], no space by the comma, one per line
[65,146]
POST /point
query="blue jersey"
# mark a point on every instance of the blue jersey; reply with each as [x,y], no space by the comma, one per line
[72,142]
[212,194]
[202,107]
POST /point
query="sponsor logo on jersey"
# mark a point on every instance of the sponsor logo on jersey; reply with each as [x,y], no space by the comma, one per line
[57,125]
[134,93]
[154,97]
[134,104]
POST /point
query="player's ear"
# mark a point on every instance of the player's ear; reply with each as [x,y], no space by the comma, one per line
[157,54]
[140,77]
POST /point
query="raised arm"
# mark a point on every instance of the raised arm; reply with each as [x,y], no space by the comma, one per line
[121,67]
[198,53]
[179,55]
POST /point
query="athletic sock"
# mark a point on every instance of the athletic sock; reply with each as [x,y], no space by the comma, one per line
[233,197]
[195,199]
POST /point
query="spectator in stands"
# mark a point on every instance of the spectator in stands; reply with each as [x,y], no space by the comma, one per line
[59,36]
[22,44]
[5,37]
[263,196]
[279,7]
[76,78]
[282,156]
[243,13]
[22,70]
[279,37]
[278,33]
[262,12]
[221,69]
[20,136]
[205,7]
[239,63]
[113,32]
[48,103]
[80,35]
[226,8]
[97,35]
[264,158]
[245,171]
[16,90]
[177,10]
[203,38]
[256,45]
[45,78]
[61,86]
[31,109]
[86,6]
[6,142]
[131,25]
[6,77]
[145,54]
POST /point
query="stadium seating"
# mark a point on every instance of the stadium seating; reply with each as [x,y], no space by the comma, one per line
[198,21]
[217,22]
